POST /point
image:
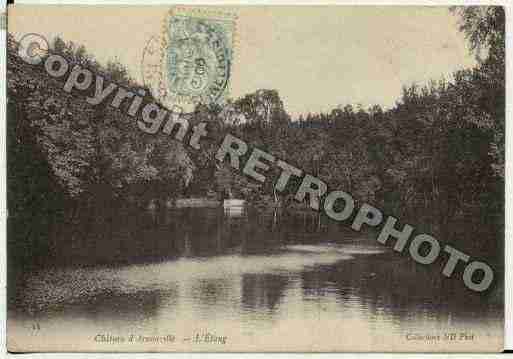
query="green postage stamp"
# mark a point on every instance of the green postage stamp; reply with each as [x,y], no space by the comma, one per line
[190,62]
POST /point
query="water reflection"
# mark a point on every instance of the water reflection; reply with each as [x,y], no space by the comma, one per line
[248,273]
[262,292]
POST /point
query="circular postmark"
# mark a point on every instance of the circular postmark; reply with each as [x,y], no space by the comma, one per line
[191,61]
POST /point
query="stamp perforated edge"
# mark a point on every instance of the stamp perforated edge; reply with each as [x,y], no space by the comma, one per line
[3,21]
[205,13]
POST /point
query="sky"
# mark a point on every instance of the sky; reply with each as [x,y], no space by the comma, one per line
[317,57]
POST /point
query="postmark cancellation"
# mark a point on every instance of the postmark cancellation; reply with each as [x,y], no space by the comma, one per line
[190,61]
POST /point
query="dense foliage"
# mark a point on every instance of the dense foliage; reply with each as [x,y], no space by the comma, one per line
[437,154]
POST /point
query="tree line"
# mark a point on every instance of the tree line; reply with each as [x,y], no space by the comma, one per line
[438,153]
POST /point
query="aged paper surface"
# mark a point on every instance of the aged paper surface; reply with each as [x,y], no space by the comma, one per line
[250,178]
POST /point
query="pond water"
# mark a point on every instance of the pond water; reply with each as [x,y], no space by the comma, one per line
[243,280]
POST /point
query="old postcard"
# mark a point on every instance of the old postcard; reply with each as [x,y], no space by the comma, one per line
[255,178]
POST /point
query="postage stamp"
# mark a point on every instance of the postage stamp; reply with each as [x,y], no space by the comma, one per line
[190,61]
[3,21]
